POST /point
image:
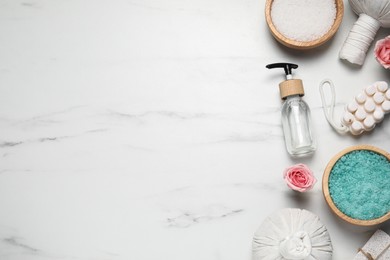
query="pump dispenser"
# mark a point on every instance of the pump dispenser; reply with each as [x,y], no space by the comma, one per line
[296,121]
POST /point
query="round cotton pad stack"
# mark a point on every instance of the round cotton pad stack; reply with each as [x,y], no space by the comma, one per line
[359,185]
[292,234]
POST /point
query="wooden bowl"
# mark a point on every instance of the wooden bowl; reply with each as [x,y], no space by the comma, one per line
[325,186]
[304,45]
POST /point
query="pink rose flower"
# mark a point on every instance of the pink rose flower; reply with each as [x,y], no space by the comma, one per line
[382,52]
[299,177]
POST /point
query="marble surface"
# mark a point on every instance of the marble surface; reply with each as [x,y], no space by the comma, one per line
[150,129]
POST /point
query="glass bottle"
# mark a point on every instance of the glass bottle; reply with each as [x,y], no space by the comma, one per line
[296,120]
[296,124]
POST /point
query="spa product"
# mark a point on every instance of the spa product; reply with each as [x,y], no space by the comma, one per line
[303,24]
[373,14]
[377,247]
[359,184]
[356,185]
[296,119]
[292,234]
[362,114]
[302,20]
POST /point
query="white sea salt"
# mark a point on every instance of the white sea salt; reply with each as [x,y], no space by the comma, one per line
[303,20]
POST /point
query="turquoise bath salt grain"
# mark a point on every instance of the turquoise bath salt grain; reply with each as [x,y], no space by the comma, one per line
[359,185]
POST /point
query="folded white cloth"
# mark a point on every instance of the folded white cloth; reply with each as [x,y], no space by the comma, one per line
[377,247]
[292,234]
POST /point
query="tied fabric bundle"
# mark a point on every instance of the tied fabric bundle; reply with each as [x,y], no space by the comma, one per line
[292,234]
[373,14]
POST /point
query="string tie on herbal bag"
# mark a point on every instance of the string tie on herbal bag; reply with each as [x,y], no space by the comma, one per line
[329,109]
[368,255]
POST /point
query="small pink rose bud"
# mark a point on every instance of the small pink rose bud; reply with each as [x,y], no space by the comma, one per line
[299,177]
[382,52]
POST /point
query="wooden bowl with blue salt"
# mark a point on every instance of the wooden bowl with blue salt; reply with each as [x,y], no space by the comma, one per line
[356,185]
[300,24]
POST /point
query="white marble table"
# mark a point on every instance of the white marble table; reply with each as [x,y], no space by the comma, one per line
[150,129]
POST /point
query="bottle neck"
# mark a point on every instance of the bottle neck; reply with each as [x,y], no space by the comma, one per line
[293,97]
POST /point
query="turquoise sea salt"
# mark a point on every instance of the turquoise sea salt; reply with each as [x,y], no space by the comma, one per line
[359,185]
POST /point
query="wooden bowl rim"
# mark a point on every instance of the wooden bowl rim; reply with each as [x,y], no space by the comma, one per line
[325,186]
[310,44]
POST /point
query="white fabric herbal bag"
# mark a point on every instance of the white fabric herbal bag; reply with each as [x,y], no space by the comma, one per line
[292,234]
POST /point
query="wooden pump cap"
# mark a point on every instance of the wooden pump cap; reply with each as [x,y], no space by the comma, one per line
[291,87]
